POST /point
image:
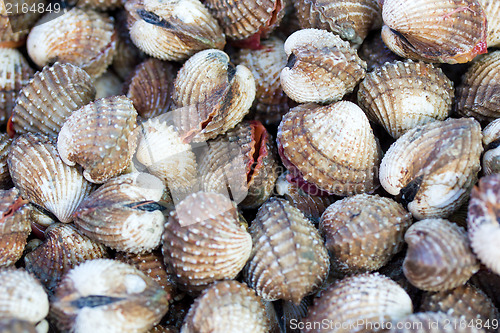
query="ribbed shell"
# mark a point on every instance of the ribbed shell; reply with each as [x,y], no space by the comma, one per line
[321,67]
[42,177]
[403,95]
[5,142]
[64,248]
[108,296]
[479,94]
[14,226]
[491,141]
[212,94]
[123,213]
[100,137]
[81,37]
[363,232]
[492,10]
[173,30]
[331,147]
[432,322]
[205,241]
[227,306]
[50,97]
[433,167]
[293,313]
[451,31]
[439,257]
[289,259]
[16,21]
[375,52]
[371,298]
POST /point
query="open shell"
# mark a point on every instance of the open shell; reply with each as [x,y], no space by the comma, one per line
[491,142]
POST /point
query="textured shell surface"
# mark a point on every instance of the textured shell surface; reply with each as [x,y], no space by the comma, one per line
[492,10]
[50,97]
[402,95]
[433,167]
[5,142]
[431,322]
[100,137]
[81,37]
[289,259]
[173,29]
[205,241]
[321,67]
[371,298]
[450,31]
[107,85]
[439,256]
[43,178]
[329,148]
[375,52]
[15,23]
[227,306]
[123,213]
[294,313]
[104,295]
[491,141]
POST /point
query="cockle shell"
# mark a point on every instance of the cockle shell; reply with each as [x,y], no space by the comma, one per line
[289,259]
[173,29]
[17,17]
[100,137]
[403,95]
[492,10]
[212,94]
[491,142]
[321,67]
[433,167]
[329,148]
[489,282]
[205,241]
[123,213]
[14,226]
[227,306]
[108,296]
[81,37]
[432,322]
[375,52]
[107,85]
[293,314]
[439,257]
[50,97]
[5,142]
[42,177]
[450,31]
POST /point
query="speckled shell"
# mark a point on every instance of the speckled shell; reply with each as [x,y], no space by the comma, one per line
[173,30]
[212,94]
[104,295]
[205,241]
[321,67]
[16,23]
[331,148]
[81,37]
[483,221]
[5,142]
[439,257]
[375,52]
[14,226]
[363,232]
[489,282]
[433,167]
[123,213]
[42,177]
[479,94]
[227,306]
[289,259]
[100,137]
[64,248]
[50,97]
[371,298]
[431,322]
[491,142]
[450,31]
[403,95]
[107,85]
[492,10]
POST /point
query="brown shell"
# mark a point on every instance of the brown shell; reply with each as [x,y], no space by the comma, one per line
[288,260]
[100,137]
[434,166]
[491,141]
[492,10]
[15,23]
[50,97]
[439,257]
[489,282]
[375,52]
[403,95]
[5,142]
[293,314]
[451,31]
[432,322]
[321,67]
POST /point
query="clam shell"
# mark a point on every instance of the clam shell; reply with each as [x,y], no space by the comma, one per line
[403,95]
[321,67]
[492,10]
[42,177]
[433,167]
[451,31]
[431,322]
[107,85]
[293,314]
[491,141]
[332,148]
[16,326]
[489,282]
[5,142]
[375,52]
[15,23]
[100,137]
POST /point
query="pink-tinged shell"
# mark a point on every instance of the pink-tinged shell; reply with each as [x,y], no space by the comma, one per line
[432,322]
[433,167]
[100,137]
[329,148]
[321,67]
[492,10]
[403,95]
[15,23]
[5,142]
[491,142]
[43,178]
[439,256]
[450,31]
